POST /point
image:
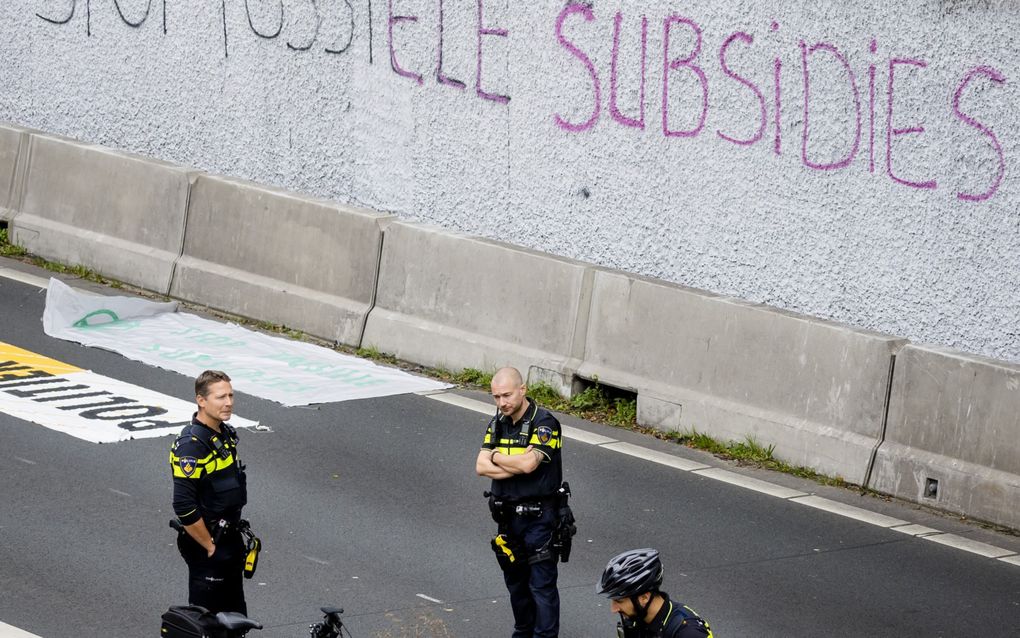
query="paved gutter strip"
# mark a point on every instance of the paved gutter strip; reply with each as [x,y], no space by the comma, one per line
[915,530]
[25,278]
[590,438]
[461,402]
[969,545]
[849,511]
[747,482]
[656,457]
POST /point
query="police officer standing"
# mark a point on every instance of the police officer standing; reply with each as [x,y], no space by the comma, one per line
[521,454]
[209,492]
[631,581]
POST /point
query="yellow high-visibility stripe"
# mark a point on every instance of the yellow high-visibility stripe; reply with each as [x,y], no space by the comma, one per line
[35,361]
[207,464]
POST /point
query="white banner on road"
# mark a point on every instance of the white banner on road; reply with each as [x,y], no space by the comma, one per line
[89,406]
[289,372]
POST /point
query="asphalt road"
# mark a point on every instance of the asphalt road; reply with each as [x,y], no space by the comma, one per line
[373,505]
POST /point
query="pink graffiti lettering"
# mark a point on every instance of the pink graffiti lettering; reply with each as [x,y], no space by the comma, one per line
[568,11]
[762,116]
[613,109]
[502,99]
[997,77]
[677,63]
[394,19]
[891,131]
[441,77]
[805,52]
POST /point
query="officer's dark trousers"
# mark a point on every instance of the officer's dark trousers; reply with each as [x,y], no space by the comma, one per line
[533,594]
[215,583]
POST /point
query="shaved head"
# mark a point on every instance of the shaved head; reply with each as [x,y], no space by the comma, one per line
[511,376]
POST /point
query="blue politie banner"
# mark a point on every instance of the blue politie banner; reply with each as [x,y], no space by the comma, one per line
[283,370]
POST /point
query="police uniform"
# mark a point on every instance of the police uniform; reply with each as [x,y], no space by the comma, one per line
[674,620]
[525,506]
[209,484]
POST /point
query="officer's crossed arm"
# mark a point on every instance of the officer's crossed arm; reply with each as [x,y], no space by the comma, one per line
[485,467]
[519,463]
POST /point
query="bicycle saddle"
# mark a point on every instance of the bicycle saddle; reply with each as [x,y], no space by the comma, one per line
[329,611]
[234,621]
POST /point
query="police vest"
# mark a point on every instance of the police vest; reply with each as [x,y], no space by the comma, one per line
[200,454]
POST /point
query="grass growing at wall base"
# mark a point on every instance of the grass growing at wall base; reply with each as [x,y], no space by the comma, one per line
[7,249]
[748,452]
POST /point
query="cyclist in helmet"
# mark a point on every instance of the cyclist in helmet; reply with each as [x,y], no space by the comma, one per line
[631,582]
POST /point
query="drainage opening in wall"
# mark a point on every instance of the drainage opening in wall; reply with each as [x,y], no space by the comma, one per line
[616,405]
[931,488]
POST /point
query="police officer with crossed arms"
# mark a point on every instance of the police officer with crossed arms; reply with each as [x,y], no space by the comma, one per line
[209,491]
[521,454]
[631,581]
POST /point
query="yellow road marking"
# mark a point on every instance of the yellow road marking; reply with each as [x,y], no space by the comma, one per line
[34,361]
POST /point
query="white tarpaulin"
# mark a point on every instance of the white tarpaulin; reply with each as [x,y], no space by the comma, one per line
[289,372]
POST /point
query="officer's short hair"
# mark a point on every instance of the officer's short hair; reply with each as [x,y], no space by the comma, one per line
[208,378]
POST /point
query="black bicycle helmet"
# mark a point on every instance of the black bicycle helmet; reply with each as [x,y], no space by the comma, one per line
[631,573]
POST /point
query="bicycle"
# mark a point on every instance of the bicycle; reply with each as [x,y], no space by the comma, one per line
[197,622]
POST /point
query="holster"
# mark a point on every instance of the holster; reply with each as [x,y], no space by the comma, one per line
[498,510]
[253,545]
[563,534]
[510,553]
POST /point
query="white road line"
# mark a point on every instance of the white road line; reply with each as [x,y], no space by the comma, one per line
[576,434]
[747,482]
[1014,559]
[317,561]
[430,599]
[25,461]
[915,530]
[462,402]
[118,492]
[969,545]
[7,631]
[24,278]
[849,511]
[655,457]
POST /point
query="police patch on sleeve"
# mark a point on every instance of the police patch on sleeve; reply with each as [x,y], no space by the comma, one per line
[544,433]
[187,465]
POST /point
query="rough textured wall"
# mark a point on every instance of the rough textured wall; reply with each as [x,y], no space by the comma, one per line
[855,161]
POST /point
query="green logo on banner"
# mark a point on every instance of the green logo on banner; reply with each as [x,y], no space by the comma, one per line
[114,321]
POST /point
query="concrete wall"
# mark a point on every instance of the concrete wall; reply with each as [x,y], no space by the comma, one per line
[954,419]
[120,215]
[278,257]
[878,186]
[456,301]
[12,140]
[733,370]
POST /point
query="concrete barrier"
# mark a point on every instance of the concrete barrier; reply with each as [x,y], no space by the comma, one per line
[732,369]
[458,301]
[266,254]
[13,156]
[953,435]
[120,215]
